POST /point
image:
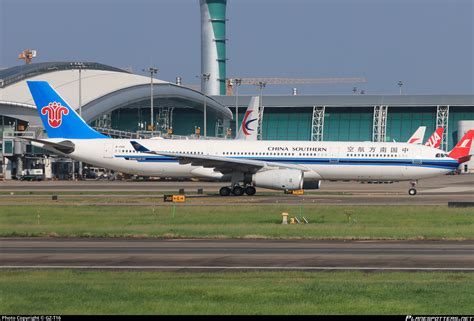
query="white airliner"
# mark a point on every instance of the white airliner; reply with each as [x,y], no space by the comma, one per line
[280,165]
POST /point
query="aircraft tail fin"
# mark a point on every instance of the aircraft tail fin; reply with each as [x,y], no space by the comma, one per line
[418,135]
[249,127]
[435,139]
[461,151]
[59,119]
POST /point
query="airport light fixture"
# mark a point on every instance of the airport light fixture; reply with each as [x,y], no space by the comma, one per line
[261,85]
[79,66]
[237,83]
[205,78]
[152,70]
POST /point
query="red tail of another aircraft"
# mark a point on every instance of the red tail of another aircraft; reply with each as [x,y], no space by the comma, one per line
[463,147]
[435,139]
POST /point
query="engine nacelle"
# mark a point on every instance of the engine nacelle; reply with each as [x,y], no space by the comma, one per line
[312,185]
[284,179]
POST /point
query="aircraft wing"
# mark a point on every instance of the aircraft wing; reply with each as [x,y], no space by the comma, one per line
[220,163]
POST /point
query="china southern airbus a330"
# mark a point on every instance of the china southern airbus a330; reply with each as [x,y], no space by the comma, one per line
[280,165]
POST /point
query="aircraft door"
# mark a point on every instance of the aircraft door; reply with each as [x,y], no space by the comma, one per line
[334,155]
[109,150]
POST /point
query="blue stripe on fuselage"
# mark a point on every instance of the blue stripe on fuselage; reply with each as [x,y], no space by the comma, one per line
[447,164]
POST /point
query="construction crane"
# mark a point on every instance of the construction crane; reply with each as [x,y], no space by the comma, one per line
[289,81]
[27,55]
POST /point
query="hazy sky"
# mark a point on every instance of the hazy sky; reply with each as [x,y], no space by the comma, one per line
[428,44]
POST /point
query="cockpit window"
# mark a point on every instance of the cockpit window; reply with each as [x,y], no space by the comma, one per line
[441,155]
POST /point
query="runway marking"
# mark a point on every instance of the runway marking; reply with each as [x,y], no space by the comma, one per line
[161,267]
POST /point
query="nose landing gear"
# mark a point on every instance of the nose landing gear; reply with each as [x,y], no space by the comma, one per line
[412,190]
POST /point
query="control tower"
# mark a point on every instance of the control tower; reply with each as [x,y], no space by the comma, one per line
[213,43]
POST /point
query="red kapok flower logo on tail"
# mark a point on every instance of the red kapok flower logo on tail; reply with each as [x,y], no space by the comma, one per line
[55,113]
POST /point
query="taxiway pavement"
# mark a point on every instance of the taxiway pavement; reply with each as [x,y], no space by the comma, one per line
[144,254]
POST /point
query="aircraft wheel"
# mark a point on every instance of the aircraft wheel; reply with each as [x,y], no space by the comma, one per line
[250,190]
[238,190]
[224,191]
[412,191]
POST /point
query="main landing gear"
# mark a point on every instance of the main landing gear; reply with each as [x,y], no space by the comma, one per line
[237,190]
[412,190]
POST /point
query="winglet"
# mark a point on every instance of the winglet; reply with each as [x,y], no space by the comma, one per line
[139,148]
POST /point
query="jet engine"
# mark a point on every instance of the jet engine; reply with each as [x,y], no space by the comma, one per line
[285,179]
[312,185]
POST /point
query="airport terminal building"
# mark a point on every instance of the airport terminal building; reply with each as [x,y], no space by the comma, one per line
[118,103]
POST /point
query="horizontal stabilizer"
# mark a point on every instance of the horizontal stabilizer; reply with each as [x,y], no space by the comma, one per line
[464,159]
[65,146]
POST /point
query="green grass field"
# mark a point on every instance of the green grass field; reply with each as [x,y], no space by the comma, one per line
[255,221]
[112,292]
